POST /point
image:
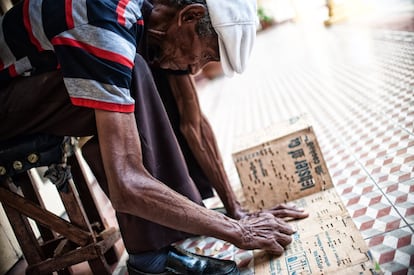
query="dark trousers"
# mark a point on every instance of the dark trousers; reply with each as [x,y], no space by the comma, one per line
[40,104]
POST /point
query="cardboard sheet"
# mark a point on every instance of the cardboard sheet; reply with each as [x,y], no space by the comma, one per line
[284,168]
[284,163]
[325,243]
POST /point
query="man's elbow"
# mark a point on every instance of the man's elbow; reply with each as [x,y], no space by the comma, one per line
[121,205]
[125,196]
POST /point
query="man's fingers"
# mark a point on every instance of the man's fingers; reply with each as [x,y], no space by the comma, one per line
[284,239]
[279,243]
[289,206]
[288,211]
[276,249]
[272,223]
[286,229]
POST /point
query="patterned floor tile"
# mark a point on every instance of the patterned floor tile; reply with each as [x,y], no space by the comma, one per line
[359,184]
[402,197]
[406,209]
[394,250]
[396,167]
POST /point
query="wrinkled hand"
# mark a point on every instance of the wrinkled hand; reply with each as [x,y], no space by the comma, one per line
[289,211]
[264,231]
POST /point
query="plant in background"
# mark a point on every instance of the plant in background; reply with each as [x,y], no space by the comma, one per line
[264,19]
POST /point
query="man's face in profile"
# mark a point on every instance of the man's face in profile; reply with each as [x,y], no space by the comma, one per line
[180,47]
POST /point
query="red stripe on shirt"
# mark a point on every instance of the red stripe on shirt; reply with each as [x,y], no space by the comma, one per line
[69,15]
[12,71]
[140,22]
[120,10]
[108,55]
[28,26]
[94,104]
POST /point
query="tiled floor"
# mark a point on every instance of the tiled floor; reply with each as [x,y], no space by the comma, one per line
[357,84]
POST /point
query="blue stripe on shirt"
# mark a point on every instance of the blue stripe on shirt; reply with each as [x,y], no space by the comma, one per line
[54,17]
[16,35]
[97,12]
[101,70]
[102,9]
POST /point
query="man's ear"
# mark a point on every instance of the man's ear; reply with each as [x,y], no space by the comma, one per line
[191,14]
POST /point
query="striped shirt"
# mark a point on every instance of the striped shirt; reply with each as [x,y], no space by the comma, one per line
[93,43]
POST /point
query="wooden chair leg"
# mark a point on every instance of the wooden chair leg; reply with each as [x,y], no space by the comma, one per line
[23,231]
[73,205]
[25,182]
[77,215]
[89,202]
[24,235]
[100,266]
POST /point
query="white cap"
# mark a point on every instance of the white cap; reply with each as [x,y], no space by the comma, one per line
[235,24]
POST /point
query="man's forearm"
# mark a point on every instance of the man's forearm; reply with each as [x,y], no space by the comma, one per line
[214,169]
[132,190]
[201,139]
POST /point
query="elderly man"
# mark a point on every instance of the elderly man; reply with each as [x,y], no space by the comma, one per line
[70,68]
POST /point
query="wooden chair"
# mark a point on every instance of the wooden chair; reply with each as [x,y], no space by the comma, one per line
[63,242]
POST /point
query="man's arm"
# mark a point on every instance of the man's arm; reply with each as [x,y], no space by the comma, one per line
[202,142]
[132,190]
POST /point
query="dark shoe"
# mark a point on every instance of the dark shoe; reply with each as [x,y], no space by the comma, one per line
[183,262]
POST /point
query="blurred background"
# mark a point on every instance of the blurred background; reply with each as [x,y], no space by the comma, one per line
[349,64]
